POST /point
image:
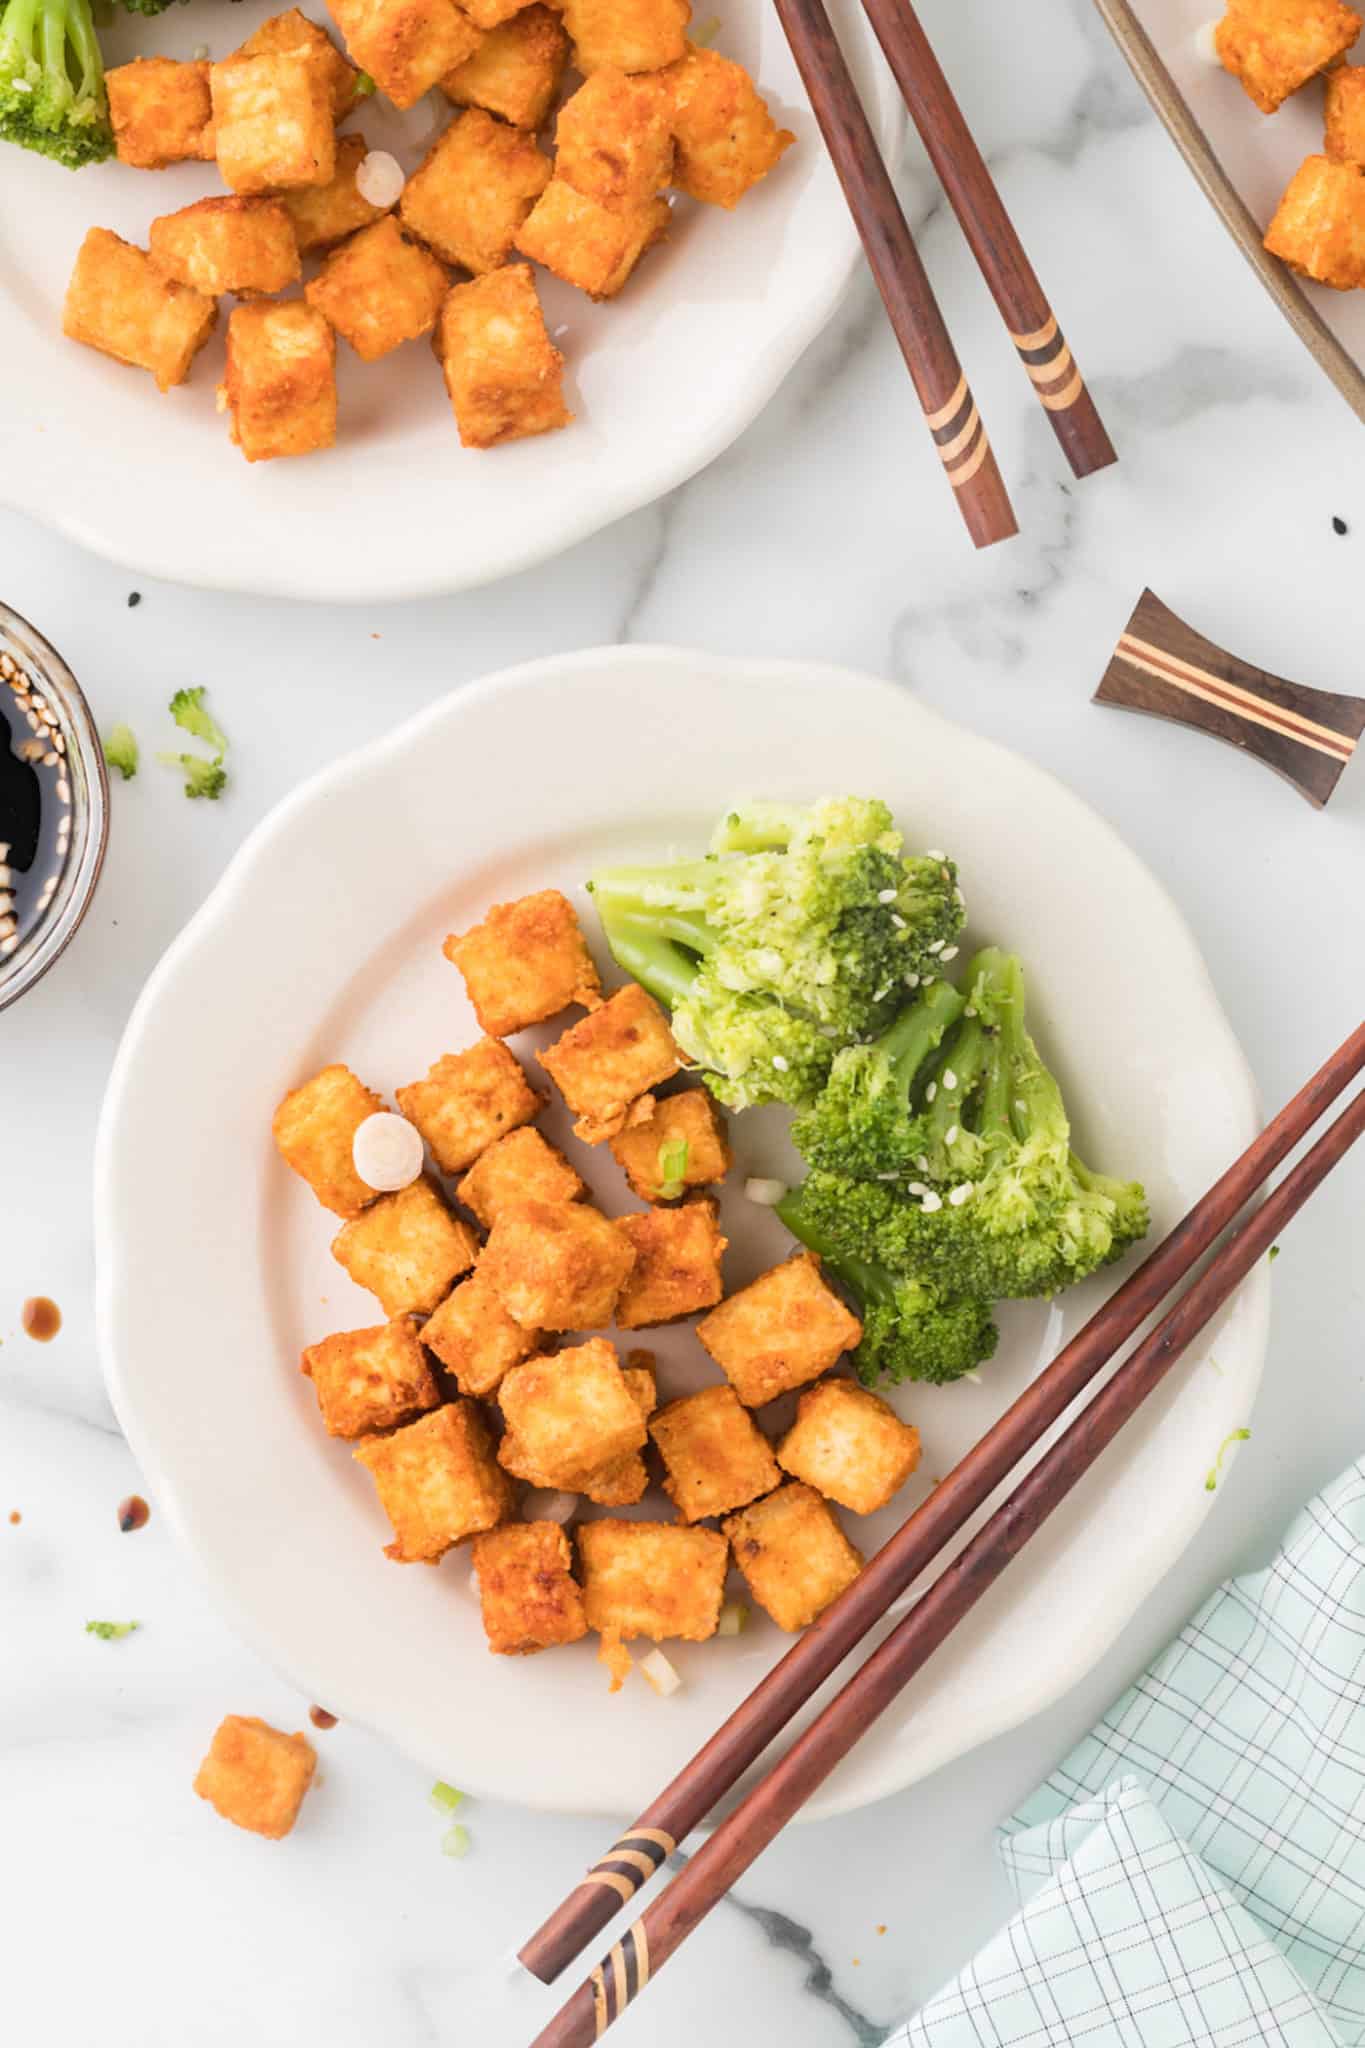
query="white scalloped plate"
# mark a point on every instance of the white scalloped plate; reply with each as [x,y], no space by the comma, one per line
[323,942]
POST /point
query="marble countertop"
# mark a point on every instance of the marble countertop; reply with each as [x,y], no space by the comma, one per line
[134,1917]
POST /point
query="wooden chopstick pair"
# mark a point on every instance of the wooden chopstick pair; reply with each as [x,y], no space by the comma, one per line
[950,411]
[717,1767]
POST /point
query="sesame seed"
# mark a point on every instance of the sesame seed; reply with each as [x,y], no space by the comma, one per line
[936,946]
[929,980]
[949,1079]
[780,1063]
[1019,1107]
[961,1194]
[923,1162]
[960,897]
[916,1187]
[950,952]
[931,1202]
[935,853]
[886,896]
[931,1091]
[951,1136]
[970,1010]
[899,922]
[912,981]
[885,990]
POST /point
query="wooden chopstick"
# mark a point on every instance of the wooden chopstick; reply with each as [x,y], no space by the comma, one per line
[962,172]
[728,1852]
[959,434]
[684,1803]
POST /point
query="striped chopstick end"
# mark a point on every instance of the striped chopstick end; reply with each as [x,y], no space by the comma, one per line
[632,1861]
[1050,365]
[620,1977]
[960,436]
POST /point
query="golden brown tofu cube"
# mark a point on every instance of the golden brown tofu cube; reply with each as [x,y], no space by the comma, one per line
[682,1145]
[294,31]
[610,1059]
[314,1129]
[527,960]
[613,141]
[237,245]
[522,1167]
[785,1328]
[652,1579]
[527,1590]
[516,70]
[468,1101]
[1344,114]
[161,112]
[407,46]
[793,1554]
[586,243]
[557,1265]
[280,390]
[677,1264]
[502,371]
[715,1457]
[1319,226]
[1274,46]
[473,190]
[726,138]
[629,35]
[379,290]
[371,1379]
[272,120]
[490,14]
[568,1416]
[408,1249]
[438,1482]
[625,1480]
[475,1338]
[255,1775]
[323,215]
[849,1445]
[120,303]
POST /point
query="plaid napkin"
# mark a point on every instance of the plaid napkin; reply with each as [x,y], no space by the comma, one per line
[1195,1871]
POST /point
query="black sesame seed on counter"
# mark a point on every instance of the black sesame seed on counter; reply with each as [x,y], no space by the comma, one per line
[1339,524]
[134,598]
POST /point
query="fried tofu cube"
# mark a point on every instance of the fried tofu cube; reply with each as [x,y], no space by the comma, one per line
[849,1445]
[295,32]
[406,1248]
[652,1579]
[469,1100]
[522,1167]
[715,1457]
[527,1590]
[314,1130]
[613,141]
[161,112]
[438,1482]
[726,138]
[677,1264]
[610,1059]
[475,1338]
[785,1328]
[473,190]
[516,70]
[588,244]
[237,245]
[255,1775]
[323,215]
[793,1554]
[626,1480]
[371,1379]
[628,35]
[1319,226]
[280,390]
[682,1145]
[1344,114]
[1275,46]
[272,121]
[379,290]
[490,14]
[407,46]
[557,1265]
[119,303]
[568,1416]
[501,368]
[526,960]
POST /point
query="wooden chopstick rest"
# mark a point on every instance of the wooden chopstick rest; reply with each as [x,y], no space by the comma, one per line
[1163,667]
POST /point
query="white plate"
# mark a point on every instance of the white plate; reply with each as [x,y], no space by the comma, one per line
[323,942]
[661,379]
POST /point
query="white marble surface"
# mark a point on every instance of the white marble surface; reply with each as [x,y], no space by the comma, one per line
[132,1916]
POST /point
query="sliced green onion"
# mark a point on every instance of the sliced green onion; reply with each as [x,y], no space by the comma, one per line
[672,1167]
[111,1631]
[455,1841]
[445,1798]
[364,85]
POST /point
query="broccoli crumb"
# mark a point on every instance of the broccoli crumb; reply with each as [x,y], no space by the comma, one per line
[1272,1254]
[111,1631]
[1237,1436]
[121,751]
[202,777]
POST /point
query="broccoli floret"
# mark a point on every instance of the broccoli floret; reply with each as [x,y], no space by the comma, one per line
[52,92]
[187,709]
[865,1121]
[202,777]
[121,751]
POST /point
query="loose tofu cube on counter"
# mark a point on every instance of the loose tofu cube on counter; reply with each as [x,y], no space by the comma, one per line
[850,1445]
[794,1556]
[161,112]
[245,246]
[527,1590]
[1319,225]
[557,1265]
[522,1167]
[272,121]
[681,1145]
[467,1101]
[677,1264]
[613,141]
[371,1379]
[502,371]
[438,1482]
[475,1338]
[280,389]
[119,303]
[379,290]
[623,1481]
[527,960]
[586,243]
[314,1130]
[1344,114]
[630,35]
[726,140]
[323,215]
[255,1775]
[516,70]
[293,31]
[406,46]
[473,190]
[1272,47]
[715,1457]
[407,1249]
[610,1059]
[785,1328]
[569,1416]
[655,1579]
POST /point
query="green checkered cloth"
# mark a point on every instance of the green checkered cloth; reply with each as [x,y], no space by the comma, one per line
[1195,1871]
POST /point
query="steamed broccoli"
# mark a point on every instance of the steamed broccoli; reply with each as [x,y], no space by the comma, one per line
[187,709]
[52,92]
[202,777]
[865,1121]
